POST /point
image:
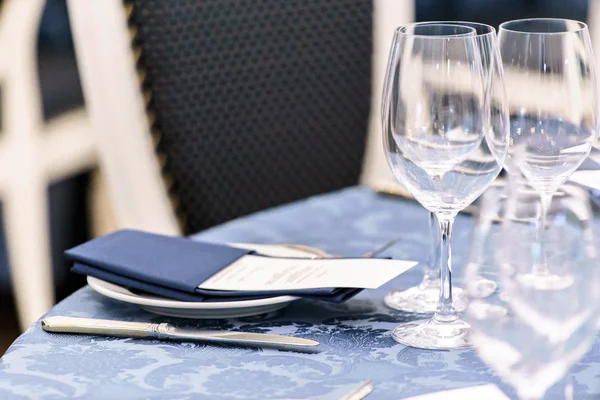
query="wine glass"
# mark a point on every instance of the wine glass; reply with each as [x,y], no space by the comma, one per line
[424,297]
[529,334]
[445,139]
[551,88]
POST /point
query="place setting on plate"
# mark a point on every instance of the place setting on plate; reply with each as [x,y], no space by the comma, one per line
[193,308]
[204,310]
[461,105]
[180,277]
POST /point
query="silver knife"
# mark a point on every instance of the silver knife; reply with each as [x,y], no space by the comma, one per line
[165,331]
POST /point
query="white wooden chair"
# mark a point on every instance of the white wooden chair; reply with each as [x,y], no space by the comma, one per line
[32,155]
[117,108]
[594,27]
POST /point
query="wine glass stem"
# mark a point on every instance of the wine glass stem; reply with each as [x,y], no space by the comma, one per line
[445,310]
[542,266]
[569,388]
[431,272]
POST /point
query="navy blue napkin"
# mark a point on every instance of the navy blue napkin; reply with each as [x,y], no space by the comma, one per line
[173,267]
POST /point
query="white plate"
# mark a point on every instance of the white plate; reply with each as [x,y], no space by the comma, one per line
[207,310]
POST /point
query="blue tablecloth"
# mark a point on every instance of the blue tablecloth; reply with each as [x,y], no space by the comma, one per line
[356,343]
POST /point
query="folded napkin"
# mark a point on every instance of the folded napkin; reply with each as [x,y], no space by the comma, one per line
[174,267]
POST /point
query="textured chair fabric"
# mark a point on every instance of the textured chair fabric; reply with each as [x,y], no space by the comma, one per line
[254,103]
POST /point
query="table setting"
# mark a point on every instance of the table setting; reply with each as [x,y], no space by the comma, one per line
[475,276]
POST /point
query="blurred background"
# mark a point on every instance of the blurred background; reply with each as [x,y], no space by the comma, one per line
[71,200]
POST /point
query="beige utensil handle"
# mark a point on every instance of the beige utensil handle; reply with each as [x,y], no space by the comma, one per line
[360,392]
[99,327]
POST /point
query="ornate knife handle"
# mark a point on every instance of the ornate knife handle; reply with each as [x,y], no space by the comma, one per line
[101,327]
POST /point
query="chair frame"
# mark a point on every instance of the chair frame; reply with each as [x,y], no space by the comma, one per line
[32,155]
[116,108]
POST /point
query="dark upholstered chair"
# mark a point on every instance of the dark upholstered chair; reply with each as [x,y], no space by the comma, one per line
[206,110]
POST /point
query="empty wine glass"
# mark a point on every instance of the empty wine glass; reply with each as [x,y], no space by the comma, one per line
[424,297]
[551,87]
[529,334]
[445,139]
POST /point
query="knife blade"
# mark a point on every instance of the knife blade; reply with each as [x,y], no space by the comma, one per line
[149,330]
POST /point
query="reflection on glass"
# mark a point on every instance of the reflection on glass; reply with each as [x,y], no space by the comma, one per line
[532,334]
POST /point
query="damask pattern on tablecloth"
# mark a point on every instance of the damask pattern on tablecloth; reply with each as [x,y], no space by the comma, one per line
[355,337]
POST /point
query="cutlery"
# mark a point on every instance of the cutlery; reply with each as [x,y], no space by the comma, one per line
[322,254]
[382,248]
[360,392]
[150,330]
[309,249]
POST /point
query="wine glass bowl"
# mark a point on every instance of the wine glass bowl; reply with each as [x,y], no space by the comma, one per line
[551,88]
[436,124]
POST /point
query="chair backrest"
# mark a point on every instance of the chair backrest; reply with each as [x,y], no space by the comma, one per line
[238,106]
[593,22]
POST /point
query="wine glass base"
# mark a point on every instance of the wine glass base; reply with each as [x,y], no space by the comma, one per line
[546,281]
[425,300]
[433,335]
[420,300]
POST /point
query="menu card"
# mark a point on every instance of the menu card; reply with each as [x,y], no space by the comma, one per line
[256,273]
